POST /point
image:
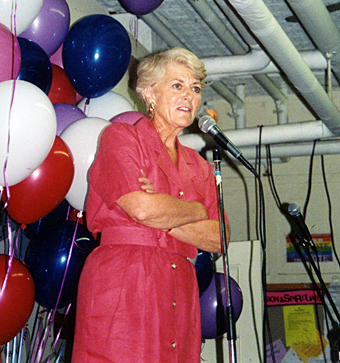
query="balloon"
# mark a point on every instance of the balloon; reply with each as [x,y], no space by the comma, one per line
[17,299]
[204,266]
[129,117]
[61,88]
[106,106]
[50,27]
[213,306]
[41,192]
[47,260]
[10,54]
[57,57]
[96,54]
[82,138]
[140,7]
[66,114]
[26,11]
[35,65]
[58,215]
[32,129]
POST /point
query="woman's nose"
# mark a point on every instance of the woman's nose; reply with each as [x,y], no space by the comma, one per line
[188,93]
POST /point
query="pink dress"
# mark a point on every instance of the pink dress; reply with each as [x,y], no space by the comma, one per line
[138,297]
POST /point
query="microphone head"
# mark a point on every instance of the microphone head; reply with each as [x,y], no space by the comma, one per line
[294,209]
[205,123]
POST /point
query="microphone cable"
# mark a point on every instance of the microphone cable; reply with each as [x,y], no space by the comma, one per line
[261,223]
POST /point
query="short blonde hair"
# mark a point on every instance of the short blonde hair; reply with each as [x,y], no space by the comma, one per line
[153,67]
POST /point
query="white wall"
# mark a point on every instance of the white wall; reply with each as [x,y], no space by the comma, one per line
[291,180]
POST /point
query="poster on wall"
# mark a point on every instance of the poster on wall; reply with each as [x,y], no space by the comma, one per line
[323,243]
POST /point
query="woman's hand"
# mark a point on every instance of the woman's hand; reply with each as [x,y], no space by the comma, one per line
[146,184]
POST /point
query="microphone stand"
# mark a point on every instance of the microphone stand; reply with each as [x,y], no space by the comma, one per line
[230,314]
[334,334]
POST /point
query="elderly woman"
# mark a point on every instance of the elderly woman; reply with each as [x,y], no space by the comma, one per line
[154,202]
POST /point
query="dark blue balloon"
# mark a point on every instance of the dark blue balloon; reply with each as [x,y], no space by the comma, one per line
[36,66]
[46,259]
[96,54]
[204,270]
[58,215]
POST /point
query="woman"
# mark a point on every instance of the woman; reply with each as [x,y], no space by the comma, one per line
[154,202]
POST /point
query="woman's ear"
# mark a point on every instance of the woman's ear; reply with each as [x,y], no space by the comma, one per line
[148,94]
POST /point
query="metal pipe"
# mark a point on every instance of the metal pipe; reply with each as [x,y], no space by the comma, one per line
[263,24]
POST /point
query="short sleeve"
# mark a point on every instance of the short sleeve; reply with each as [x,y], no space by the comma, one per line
[117,166]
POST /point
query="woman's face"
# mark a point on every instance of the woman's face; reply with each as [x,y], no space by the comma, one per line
[176,97]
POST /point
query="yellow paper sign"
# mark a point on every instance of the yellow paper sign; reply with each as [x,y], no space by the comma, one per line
[299,323]
[308,351]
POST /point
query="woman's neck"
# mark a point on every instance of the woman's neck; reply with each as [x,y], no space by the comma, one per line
[169,139]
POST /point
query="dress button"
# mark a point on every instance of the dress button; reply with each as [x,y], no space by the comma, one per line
[173,345]
[181,193]
[174,303]
[173,265]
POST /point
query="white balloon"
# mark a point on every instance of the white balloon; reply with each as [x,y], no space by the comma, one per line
[27,129]
[26,11]
[82,138]
[106,106]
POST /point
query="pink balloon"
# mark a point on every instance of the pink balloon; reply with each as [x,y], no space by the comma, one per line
[129,117]
[50,27]
[10,55]
[57,57]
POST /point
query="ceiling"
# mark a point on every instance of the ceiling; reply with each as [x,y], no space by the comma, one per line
[187,25]
[234,37]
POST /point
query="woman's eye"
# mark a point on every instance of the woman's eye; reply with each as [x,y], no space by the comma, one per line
[177,86]
[197,89]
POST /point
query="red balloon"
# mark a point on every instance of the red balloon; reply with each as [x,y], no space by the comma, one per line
[17,299]
[44,189]
[61,88]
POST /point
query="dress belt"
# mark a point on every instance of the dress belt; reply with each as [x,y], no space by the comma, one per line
[130,235]
[145,237]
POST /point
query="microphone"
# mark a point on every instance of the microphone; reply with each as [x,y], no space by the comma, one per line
[208,125]
[294,211]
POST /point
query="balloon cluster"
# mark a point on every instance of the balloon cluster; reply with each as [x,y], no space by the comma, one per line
[48,143]
[44,71]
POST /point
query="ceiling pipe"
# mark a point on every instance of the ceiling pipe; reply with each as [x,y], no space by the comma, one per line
[235,101]
[265,27]
[281,108]
[273,134]
[168,37]
[314,58]
[235,47]
[255,62]
[161,30]
[240,113]
[320,26]
[236,22]
[329,147]
[281,153]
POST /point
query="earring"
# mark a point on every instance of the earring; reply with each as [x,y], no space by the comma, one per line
[151,110]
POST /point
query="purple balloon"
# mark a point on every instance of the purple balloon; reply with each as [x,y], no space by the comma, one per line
[66,114]
[140,7]
[50,27]
[128,117]
[213,306]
